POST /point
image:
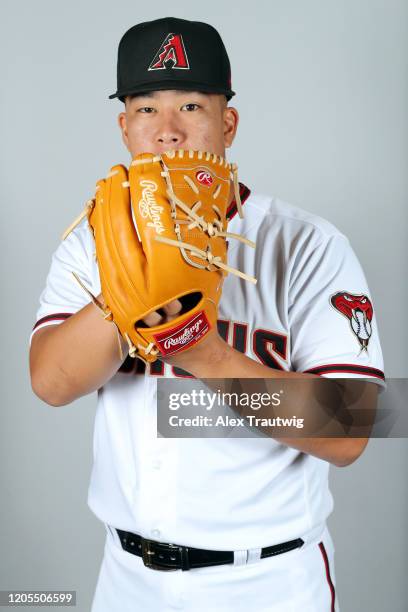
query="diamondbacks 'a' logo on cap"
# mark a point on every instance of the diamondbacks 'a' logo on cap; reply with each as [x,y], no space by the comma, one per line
[171,54]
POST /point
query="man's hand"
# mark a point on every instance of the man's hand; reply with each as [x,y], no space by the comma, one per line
[168,313]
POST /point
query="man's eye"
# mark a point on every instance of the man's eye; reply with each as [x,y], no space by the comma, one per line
[146,109]
[190,107]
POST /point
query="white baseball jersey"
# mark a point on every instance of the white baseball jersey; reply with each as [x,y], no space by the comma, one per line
[310,311]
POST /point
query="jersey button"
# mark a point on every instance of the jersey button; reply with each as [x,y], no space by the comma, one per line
[156,533]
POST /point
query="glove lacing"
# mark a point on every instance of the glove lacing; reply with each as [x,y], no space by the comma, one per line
[212,228]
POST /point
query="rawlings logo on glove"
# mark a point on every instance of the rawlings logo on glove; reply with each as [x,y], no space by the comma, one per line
[187,334]
[160,235]
[148,206]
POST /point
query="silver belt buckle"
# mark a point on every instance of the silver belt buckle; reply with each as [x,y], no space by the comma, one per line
[148,557]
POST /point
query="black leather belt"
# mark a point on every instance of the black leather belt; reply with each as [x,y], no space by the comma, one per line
[166,557]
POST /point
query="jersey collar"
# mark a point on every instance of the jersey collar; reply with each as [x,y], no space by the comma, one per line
[244,192]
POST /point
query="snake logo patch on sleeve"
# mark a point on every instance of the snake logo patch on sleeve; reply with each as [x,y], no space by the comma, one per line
[358,309]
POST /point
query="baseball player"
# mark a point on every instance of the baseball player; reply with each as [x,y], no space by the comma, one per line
[209,524]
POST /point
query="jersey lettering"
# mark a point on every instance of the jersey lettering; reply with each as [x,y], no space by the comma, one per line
[268,343]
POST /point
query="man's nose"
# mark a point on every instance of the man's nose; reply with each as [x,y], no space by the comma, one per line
[170,132]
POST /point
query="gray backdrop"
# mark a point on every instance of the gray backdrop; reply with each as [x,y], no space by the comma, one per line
[322,93]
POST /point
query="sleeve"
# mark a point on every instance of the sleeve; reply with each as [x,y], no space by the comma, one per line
[62,295]
[333,326]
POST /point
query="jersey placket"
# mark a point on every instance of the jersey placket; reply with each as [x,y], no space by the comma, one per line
[157,458]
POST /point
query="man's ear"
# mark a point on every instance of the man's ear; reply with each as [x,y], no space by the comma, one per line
[231,120]
[122,122]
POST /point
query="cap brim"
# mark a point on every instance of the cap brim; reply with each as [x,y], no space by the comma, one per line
[169,84]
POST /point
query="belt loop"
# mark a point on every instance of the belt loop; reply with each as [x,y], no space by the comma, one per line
[185,560]
[254,555]
[240,557]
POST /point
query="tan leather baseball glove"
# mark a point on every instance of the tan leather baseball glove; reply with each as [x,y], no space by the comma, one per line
[160,235]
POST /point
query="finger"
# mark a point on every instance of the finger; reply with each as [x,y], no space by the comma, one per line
[167,313]
[153,318]
[173,308]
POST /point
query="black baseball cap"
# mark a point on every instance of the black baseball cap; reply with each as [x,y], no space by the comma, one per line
[172,53]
